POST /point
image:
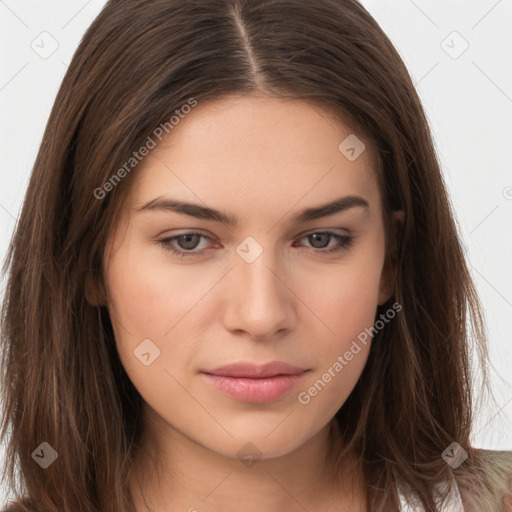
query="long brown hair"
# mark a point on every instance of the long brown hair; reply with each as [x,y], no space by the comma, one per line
[140,61]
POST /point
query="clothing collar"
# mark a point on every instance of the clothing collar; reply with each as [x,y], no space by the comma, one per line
[411,503]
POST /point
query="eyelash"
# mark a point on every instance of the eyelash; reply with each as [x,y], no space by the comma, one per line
[345,243]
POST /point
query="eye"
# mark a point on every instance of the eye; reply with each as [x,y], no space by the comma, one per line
[320,239]
[184,245]
[186,242]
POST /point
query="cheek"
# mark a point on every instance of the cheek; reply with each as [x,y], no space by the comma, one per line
[149,297]
[345,299]
[346,303]
[341,354]
[148,302]
[147,306]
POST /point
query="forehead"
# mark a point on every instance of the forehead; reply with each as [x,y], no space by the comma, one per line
[270,151]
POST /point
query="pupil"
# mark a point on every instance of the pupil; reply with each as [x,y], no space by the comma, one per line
[186,239]
[316,237]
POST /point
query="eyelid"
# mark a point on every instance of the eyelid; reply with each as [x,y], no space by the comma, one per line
[344,242]
[198,231]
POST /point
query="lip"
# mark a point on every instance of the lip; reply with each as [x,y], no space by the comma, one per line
[253,383]
[256,371]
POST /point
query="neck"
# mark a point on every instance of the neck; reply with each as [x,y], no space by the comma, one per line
[175,473]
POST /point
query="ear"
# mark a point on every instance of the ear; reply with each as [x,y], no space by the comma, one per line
[93,291]
[388,275]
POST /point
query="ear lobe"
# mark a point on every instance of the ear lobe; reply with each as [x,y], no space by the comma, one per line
[388,275]
[93,294]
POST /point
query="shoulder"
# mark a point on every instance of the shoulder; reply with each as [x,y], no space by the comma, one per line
[487,483]
[483,483]
[18,507]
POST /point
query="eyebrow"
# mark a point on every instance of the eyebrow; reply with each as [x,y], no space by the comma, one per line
[202,212]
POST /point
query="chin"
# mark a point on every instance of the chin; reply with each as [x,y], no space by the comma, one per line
[260,446]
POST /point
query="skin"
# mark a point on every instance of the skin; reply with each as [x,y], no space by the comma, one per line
[262,160]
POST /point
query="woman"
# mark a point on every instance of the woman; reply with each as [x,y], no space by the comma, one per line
[236,276]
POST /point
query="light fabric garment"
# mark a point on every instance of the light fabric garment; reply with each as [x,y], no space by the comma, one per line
[453,502]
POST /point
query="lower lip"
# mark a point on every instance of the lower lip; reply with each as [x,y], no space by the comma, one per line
[256,391]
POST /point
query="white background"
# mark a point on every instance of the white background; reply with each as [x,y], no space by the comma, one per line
[468,100]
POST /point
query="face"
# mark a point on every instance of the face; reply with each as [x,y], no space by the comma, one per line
[283,283]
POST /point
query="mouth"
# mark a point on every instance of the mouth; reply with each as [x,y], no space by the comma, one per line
[253,383]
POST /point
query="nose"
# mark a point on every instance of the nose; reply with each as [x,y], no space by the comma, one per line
[259,301]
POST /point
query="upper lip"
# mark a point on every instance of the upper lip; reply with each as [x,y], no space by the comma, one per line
[256,371]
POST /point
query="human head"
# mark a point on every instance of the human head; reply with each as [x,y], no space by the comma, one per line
[251,291]
[137,65]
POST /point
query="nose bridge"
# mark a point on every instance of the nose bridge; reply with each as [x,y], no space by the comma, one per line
[258,279]
[260,302]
